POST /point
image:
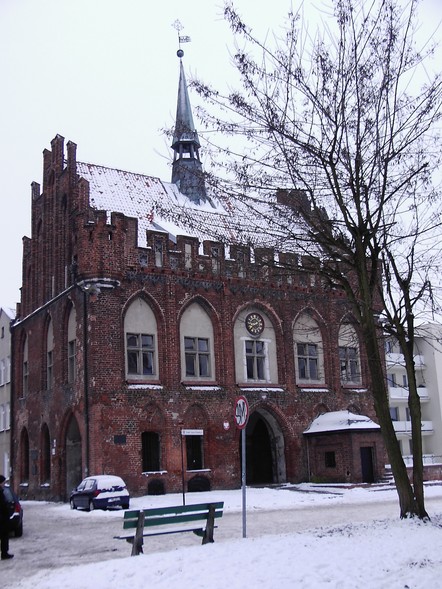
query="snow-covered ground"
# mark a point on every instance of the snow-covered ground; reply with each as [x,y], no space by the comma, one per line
[357,554]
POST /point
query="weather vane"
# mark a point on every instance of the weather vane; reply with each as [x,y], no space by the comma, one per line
[181,38]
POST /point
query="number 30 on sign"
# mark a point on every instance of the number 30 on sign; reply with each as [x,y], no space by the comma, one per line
[241,412]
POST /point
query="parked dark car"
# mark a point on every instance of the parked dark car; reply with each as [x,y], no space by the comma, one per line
[100,492]
[16,519]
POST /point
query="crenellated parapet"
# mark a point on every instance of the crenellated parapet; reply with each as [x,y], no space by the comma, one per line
[104,222]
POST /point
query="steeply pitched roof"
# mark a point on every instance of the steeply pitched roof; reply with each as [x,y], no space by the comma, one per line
[160,206]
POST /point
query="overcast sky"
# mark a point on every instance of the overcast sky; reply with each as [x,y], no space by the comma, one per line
[104,74]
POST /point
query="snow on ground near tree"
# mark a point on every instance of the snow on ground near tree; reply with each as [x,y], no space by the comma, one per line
[390,553]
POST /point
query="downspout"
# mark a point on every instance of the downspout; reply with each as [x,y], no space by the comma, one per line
[89,288]
[86,383]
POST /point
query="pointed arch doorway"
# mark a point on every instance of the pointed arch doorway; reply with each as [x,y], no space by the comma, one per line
[73,455]
[265,457]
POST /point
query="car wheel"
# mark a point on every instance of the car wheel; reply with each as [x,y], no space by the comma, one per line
[73,506]
[19,531]
[91,505]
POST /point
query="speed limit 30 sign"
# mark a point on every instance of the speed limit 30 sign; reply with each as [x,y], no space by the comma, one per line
[241,412]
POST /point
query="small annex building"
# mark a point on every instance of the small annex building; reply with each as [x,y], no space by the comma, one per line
[147,308]
[344,446]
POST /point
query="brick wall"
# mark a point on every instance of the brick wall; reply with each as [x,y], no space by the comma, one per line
[72,246]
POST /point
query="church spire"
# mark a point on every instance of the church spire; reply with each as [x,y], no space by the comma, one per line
[187,170]
[185,132]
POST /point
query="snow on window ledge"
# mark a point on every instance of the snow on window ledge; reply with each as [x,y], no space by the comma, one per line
[200,470]
[263,389]
[202,388]
[145,385]
[148,473]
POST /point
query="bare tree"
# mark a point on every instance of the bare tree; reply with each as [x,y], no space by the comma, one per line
[333,139]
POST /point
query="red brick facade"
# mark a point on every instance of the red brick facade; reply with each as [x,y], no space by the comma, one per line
[81,264]
[362,450]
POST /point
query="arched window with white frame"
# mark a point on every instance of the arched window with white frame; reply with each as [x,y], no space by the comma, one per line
[255,348]
[309,351]
[197,345]
[141,341]
[349,355]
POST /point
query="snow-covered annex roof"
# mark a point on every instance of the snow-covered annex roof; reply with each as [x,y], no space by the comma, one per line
[334,421]
[160,206]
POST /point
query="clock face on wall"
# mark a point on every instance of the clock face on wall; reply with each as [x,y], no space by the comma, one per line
[254,323]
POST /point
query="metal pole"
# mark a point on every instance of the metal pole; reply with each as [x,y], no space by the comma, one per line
[243,480]
[182,469]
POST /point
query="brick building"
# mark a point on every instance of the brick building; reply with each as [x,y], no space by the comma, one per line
[144,316]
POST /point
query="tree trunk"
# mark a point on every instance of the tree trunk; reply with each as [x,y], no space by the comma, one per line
[414,404]
[407,502]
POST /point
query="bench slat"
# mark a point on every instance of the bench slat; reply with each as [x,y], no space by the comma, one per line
[168,520]
[171,516]
[130,513]
[163,521]
[130,537]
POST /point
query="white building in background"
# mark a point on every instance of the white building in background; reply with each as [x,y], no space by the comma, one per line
[6,316]
[428,362]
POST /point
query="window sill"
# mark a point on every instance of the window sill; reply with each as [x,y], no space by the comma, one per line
[304,388]
[200,470]
[144,385]
[201,386]
[354,388]
[199,382]
[259,384]
[156,473]
[261,389]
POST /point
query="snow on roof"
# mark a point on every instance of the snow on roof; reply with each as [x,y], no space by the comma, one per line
[134,195]
[159,206]
[8,312]
[340,421]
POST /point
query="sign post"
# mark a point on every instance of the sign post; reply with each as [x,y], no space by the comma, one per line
[241,419]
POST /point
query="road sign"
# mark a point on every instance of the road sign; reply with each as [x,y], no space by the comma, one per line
[241,418]
[241,412]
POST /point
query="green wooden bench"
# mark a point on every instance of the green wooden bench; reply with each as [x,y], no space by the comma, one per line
[179,519]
